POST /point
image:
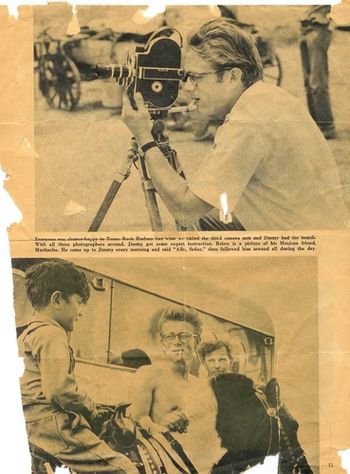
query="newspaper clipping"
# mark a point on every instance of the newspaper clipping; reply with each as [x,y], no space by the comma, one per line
[180,274]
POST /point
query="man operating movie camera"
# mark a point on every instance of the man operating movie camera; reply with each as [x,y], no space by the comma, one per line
[269,168]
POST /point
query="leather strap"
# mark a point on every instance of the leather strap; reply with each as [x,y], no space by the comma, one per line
[144,148]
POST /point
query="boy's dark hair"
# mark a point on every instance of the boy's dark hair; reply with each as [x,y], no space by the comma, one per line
[210,346]
[173,313]
[223,44]
[45,278]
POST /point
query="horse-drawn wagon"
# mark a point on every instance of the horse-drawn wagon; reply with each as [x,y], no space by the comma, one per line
[64,62]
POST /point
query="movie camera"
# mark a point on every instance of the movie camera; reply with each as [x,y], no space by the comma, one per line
[154,70]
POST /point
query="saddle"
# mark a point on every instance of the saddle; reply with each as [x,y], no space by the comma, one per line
[151,453]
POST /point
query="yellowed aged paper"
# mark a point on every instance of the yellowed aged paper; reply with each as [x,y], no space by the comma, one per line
[279,297]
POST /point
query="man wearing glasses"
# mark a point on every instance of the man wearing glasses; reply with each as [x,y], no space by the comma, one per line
[270,166]
[179,332]
[167,397]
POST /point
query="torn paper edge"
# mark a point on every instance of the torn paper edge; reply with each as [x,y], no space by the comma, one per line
[13,441]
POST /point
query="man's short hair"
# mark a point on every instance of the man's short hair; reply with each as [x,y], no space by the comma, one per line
[185,314]
[43,279]
[210,346]
[224,44]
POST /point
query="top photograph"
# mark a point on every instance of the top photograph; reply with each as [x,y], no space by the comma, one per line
[199,118]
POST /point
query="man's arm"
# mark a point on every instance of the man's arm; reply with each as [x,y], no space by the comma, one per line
[143,400]
[142,393]
[51,350]
[183,204]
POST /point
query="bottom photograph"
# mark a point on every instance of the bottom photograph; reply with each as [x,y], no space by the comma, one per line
[169,365]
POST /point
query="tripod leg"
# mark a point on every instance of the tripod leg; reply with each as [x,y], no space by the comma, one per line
[149,192]
[105,205]
[152,205]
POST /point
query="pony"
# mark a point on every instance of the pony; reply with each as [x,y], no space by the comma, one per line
[252,424]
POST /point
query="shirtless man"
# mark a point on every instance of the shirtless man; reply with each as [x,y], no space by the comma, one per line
[160,387]
[167,397]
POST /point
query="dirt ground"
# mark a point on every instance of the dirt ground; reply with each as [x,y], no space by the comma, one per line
[78,151]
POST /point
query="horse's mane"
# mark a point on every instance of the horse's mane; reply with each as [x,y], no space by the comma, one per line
[242,422]
[232,385]
[248,432]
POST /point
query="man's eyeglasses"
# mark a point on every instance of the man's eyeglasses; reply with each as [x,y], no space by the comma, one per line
[183,337]
[194,77]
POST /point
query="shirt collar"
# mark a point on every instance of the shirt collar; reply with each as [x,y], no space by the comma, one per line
[38,318]
[245,94]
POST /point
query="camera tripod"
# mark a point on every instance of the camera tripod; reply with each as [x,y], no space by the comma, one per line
[148,188]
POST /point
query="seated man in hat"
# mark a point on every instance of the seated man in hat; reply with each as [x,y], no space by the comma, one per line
[59,415]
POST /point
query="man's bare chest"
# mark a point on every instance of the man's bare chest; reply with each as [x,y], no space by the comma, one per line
[169,395]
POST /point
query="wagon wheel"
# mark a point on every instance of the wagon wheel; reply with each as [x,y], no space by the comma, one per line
[273,72]
[59,81]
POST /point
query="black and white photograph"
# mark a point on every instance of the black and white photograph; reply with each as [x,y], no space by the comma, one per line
[177,268]
[198,118]
[145,366]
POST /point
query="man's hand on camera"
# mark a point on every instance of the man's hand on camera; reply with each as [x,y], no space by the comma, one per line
[138,121]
